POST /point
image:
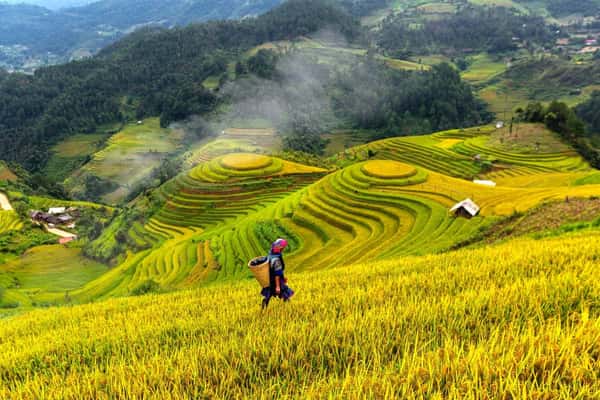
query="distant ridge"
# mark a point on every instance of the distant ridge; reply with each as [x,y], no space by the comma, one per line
[35,36]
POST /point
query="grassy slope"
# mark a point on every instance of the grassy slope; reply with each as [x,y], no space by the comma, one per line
[482,68]
[527,80]
[53,268]
[130,155]
[520,320]
[71,154]
[333,53]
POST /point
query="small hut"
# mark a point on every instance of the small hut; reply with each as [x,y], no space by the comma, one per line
[466,208]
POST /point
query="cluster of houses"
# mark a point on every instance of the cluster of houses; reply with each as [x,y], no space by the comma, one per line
[57,216]
[585,46]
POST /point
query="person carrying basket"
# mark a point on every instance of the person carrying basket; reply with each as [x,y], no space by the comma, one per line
[276,284]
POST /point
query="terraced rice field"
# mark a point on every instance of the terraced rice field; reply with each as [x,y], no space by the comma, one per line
[226,210]
[235,140]
[131,154]
[199,205]
[453,153]
[348,217]
[9,220]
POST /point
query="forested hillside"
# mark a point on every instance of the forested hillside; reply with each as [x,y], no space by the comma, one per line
[469,30]
[149,68]
[34,36]
[157,72]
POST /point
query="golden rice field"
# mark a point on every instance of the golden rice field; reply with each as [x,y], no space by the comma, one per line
[246,161]
[9,220]
[520,320]
[388,169]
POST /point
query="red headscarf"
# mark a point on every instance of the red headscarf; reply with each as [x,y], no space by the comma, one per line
[279,245]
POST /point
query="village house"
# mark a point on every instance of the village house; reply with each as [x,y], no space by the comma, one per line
[589,49]
[56,216]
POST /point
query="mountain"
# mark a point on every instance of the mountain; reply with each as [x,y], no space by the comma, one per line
[32,36]
[51,4]
[153,72]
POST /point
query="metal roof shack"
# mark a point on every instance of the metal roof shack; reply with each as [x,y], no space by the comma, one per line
[466,208]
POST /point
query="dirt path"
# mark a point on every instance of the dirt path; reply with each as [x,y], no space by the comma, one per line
[60,233]
[4,203]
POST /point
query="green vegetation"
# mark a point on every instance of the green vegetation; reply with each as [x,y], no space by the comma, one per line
[50,270]
[519,319]
[5,173]
[593,179]
[129,157]
[39,111]
[560,118]
[14,243]
[482,68]
[464,31]
[9,220]
[71,154]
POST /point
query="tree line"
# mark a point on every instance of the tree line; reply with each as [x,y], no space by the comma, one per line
[574,125]
[470,29]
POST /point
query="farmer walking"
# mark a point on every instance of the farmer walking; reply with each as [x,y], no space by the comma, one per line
[278,282]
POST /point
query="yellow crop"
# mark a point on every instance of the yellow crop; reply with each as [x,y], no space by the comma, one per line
[448,143]
[245,161]
[521,320]
[388,169]
[9,220]
[498,200]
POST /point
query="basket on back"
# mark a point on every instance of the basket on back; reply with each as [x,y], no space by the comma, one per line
[259,266]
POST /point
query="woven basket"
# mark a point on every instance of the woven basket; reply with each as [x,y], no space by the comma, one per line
[260,272]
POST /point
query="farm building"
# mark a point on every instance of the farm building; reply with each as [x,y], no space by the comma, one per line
[466,208]
[40,216]
[56,216]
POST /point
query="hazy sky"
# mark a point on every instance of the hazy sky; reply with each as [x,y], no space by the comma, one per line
[53,4]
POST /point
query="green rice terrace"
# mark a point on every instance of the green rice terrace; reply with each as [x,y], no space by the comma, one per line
[128,157]
[384,199]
